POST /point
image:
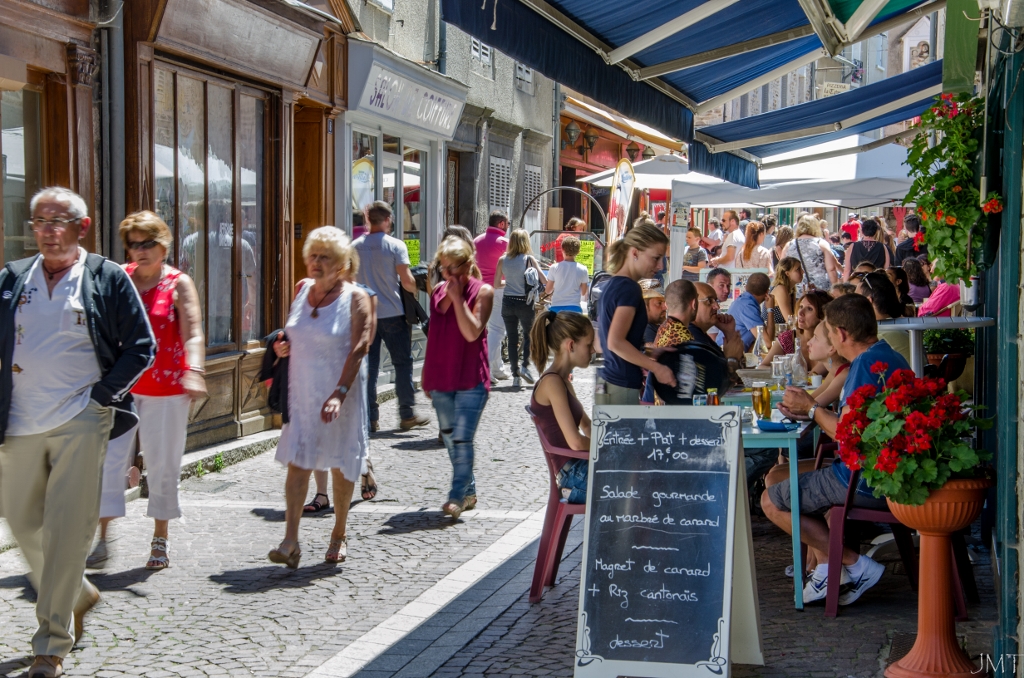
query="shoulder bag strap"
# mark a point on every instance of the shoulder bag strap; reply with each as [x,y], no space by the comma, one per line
[807,273]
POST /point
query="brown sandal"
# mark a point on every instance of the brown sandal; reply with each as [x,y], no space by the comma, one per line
[288,558]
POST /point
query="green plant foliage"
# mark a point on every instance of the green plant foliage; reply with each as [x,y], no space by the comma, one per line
[948,202]
[955,340]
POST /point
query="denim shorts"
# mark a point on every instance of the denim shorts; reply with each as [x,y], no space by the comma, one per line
[819,491]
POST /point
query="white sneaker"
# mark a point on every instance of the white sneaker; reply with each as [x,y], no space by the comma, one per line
[516,383]
[499,373]
[816,587]
[494,380]
[869,576]
[524,372]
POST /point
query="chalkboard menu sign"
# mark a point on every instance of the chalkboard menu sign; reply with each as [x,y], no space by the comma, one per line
[656,590]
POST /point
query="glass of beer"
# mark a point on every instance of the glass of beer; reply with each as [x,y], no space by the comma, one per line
[762,400]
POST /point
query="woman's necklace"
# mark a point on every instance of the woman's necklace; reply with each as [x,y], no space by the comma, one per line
[50,273]
[316,312]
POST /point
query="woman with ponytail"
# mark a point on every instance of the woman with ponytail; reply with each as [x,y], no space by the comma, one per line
[560,414]
[622,317]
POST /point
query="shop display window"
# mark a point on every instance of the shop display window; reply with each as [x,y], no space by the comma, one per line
[364,169]
[208,138]
[21,167]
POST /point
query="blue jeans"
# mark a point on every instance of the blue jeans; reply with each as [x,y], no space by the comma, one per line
[397,336]
[458,414]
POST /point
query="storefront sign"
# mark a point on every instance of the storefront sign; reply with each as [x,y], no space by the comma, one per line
[397,97]
[586,255]
[667,587]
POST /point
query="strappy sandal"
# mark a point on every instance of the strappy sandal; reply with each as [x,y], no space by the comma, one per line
[368,484]
[288,558]
[316,506]
[337,551]
[158,562]
[469,503]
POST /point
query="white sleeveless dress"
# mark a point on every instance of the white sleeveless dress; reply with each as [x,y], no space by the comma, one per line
[319,348]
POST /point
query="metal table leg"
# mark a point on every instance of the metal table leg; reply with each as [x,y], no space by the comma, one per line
[917,352]
[794,505]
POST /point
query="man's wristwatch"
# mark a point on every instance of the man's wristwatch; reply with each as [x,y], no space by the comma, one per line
[341,390]
[811,412]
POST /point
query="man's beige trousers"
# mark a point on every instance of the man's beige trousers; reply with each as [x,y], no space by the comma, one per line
[51,498]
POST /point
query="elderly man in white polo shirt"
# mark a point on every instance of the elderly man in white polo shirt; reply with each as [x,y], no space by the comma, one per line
[74,337]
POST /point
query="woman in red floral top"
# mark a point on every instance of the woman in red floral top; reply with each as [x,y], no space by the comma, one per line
[164,392]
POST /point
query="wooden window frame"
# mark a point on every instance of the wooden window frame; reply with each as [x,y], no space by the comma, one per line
[270,245]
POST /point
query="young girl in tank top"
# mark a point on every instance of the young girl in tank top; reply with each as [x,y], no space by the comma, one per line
[560,415]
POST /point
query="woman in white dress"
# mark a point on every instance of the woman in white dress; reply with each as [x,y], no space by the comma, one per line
[327,334]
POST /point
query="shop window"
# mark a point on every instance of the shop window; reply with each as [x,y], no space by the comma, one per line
[524,78]
[202,129]
[364,149]
[499,188]
[413,168]
[21,167]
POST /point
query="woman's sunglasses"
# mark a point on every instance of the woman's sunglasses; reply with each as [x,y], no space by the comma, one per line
[142,244]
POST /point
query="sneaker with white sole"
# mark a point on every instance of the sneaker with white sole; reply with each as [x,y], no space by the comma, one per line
[525,373]
[516,383]
[816,587]
[499,373]
[869,576]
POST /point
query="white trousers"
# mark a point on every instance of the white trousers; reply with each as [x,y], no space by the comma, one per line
[120,453]
[495,332]
[163,421]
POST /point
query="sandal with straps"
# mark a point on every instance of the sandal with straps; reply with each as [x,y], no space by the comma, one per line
[289,558]
[316,506]
[337,551]
[158,562]
[368,486]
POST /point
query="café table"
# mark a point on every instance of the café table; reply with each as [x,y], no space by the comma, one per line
[918,326]
[755,438]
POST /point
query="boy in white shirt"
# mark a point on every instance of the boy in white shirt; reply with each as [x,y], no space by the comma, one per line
[567,280]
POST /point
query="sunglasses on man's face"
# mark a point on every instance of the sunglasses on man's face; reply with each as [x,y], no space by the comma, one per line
[142,244]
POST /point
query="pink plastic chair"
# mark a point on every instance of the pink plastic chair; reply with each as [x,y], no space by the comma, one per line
[558,518]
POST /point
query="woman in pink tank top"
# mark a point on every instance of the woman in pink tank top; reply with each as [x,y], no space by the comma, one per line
[456,376]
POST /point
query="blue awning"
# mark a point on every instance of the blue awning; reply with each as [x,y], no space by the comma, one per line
[658,61]
[872,107]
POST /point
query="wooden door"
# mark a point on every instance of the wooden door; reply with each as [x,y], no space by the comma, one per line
[310,181]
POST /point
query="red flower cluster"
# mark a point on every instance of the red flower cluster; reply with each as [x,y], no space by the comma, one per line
[918,239]
[993,206]
[848,432]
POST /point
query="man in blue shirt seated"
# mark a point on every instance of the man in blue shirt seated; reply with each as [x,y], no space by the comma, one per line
[747,308]
[853,331]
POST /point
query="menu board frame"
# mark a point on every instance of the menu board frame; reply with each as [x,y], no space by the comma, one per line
[738,591]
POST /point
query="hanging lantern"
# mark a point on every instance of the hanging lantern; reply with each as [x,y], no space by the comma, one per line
[632,151]
[648,153]
[591,138]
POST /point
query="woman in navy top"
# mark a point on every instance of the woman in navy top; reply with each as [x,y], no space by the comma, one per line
[622,317]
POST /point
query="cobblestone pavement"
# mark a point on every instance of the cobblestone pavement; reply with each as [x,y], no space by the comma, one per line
[539,640]
[223,609]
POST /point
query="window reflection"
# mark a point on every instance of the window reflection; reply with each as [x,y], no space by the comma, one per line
[164,155]
[363,179]
[21,167]
[250,138]
[192,183]
[412,205]
[220,180]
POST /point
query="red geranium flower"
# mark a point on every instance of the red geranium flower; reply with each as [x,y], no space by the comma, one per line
[879,367]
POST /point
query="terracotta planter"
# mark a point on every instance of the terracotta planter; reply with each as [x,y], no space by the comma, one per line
[934,358]
[952,507]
